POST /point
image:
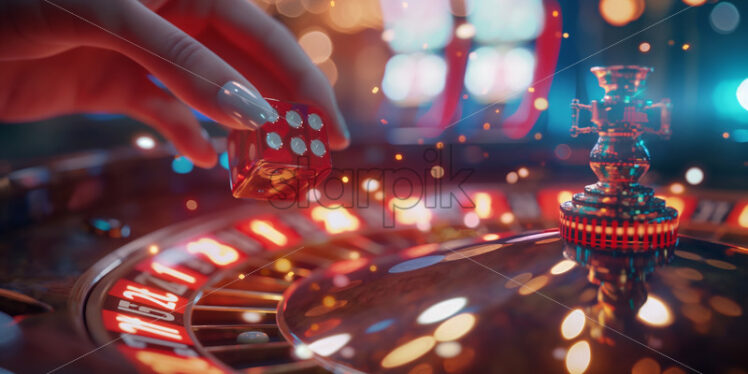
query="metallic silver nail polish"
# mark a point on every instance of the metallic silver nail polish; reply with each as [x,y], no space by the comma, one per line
[247,107]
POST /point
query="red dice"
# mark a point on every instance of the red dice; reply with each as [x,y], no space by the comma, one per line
[284,158]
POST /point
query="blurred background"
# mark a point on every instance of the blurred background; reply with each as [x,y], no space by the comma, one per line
[494,78]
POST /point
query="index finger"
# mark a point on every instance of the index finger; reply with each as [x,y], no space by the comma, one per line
[276,48]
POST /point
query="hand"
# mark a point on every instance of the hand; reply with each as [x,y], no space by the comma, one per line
[67,56]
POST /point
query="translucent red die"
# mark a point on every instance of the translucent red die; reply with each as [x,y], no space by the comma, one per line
[284,158]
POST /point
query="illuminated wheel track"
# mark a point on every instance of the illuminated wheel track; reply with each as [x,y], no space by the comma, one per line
[223,298]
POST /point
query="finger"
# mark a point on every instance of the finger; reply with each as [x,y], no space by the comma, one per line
[267,41]
[95,80]
[123,87]
[191,71]
[175,121]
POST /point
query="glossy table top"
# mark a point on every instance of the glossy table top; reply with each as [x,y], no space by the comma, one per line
[526,304]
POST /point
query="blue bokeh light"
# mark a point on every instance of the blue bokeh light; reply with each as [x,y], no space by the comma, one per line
[724,18]
[379,326]
[725,97]
[101,224]
[223,159]
[742,94]
[182,165]
[416,263]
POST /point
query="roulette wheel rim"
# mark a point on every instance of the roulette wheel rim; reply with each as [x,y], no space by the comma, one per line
[94,287]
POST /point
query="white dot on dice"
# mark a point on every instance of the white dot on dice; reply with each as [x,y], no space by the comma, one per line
[273,116]
[314,121]
[318,148]
[274,140]
[298,146]
[294,119]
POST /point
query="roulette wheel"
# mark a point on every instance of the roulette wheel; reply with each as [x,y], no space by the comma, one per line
[127,260]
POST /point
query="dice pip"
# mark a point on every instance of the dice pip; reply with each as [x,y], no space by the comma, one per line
[283,159]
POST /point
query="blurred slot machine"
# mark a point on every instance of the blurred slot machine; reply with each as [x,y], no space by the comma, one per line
[485,66]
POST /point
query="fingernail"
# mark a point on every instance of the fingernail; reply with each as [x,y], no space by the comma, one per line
[346,133]
[247,107]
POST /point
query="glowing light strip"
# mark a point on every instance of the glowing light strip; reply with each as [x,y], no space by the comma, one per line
[632,235]
[163,269]
[267,231]
[166,301]
[133,324]
[219,254]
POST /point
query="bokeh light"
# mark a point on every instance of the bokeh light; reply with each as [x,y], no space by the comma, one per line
[289,8]
[442,310]
[621,12]
[562,151]
[370,184]
[506,20]
[448,350]
[379,326]
[655,312]
[416,263]
[724,17]
[437,172]
[329,345]
[573,324]
[223,159]
[533,285]
[564,196]
[578,357]
[465,31]
[541,104]
[145,142]
[350,16]
[507,218]
[726,102]
[182,165]
[497,74]
[471,220]
[410,80]
[315,6]
[455,327]
[421,25]
[562,267]
[251,317]
[303,352]
[742,94]
[694,175]
[408,352]
[336,219]
[317,46]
